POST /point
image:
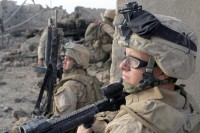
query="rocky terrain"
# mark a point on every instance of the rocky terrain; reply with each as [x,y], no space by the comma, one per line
[18,55]
[18,91]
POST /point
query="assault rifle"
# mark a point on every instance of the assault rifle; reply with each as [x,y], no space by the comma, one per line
[49,80]
[114,98]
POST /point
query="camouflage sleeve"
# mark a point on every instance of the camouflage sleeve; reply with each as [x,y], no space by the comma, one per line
[126,124]
[41,46]
[101,121]
[108,29]
[67,96]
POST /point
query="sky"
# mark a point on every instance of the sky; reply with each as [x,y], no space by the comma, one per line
[70,4]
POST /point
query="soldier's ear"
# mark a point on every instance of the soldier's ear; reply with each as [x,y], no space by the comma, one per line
[163,76]
[159,74]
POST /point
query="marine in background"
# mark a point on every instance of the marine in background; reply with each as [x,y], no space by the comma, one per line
[99,36]
[76,89]
[43,41]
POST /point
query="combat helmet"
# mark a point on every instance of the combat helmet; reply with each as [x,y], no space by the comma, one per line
[171,44]
[109,14]
[78,52]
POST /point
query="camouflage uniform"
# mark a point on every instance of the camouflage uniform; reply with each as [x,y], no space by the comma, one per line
[161,109]
[140,113]
[100,44]
[74,93]
[156,109]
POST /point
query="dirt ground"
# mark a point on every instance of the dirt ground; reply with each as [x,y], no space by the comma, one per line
[18,90]
[18,83]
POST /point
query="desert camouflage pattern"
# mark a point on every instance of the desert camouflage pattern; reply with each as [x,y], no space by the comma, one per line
[74,91]
[99,37]
[102,119]
[142,109]
[100,47]
[164,111]
[174,60]
[67,96]
[109,13]
[78,52]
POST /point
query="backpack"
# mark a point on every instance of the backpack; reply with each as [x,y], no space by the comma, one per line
[91,83]
[93,31]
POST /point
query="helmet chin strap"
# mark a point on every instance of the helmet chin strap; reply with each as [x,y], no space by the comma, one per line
[148,80]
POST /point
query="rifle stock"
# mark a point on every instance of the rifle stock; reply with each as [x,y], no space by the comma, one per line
[115,98]
[40,69]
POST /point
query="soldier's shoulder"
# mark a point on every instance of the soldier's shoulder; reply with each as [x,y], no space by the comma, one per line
[107,27]
[72,82]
